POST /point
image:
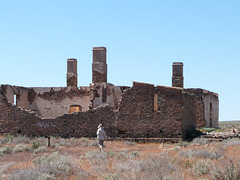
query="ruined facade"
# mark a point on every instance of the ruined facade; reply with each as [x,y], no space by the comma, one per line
[140,111]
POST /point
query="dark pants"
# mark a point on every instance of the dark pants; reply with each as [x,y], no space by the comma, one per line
[100,144]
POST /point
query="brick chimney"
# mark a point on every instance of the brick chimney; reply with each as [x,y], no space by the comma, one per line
[72,72]
[99,66]
[177,74]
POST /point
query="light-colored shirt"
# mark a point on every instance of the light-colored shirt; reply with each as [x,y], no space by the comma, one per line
[101,135]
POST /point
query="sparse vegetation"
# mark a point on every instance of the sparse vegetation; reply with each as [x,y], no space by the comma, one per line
[201,154]
[6,139]
[80,158]
[200,141]
[20,148]
[35,144]
[21,139]
[5,150]
[201,168]
[48,167]
[40,149]
[228,171]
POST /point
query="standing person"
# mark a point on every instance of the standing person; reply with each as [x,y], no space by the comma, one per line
[101,136]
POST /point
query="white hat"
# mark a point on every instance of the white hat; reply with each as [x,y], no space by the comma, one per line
[100,125]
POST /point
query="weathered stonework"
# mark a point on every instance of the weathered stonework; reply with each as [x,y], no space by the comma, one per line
[99,66]
[141,111]
[177,75]
[136,116]
[72,72]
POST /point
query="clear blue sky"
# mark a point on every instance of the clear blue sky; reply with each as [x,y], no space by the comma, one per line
[142,37]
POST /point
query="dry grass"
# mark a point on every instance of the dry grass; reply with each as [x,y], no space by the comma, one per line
[228,125]
[79,158]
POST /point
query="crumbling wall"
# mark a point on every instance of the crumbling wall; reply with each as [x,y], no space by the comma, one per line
[84,124]
[211,105]
[141,111]
[206,107]
[189,113]
[170,111]
[106,93]
[53,102]
[197,109]
[136,116]
[16,120]
[20,93]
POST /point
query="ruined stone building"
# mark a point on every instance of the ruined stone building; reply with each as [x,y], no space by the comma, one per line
[141,111]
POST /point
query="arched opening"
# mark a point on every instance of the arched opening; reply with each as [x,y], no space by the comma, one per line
[211,114]
[75,108]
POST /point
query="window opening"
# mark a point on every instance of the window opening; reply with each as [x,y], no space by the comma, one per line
[75,108]
[15,99]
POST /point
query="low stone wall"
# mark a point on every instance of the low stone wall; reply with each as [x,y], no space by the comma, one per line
[15,120]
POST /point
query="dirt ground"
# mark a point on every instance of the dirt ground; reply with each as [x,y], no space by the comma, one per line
[80,148]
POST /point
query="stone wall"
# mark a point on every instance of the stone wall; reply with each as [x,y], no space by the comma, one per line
[20,93]
[189,113]
[84,124]
[143,111]
[54,102]
[51,102]
[106,93]
[205,107]
[16,120]
[136,117]
[197,106]
[211,108]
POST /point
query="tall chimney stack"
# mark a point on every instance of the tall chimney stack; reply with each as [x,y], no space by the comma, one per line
[177,74]
[72,72]
[99,66]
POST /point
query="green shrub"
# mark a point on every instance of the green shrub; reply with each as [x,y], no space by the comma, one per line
[5,150]
[35,144]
